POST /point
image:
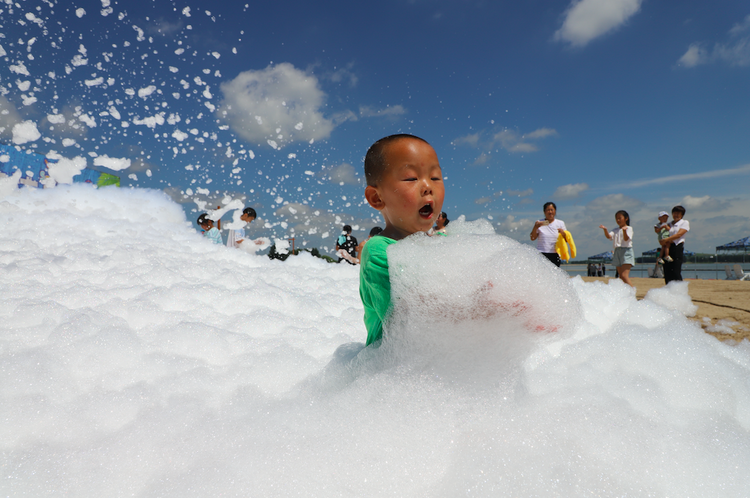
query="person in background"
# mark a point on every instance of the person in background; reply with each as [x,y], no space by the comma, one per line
[623,256]
[235,237]
[373,232]
[440,224]
[346,246]
[676,241]
[662,232]
[546,233]
[209,230]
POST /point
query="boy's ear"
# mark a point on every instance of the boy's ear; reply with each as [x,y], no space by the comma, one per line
[373,198]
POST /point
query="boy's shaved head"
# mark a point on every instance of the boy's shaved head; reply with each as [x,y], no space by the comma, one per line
[375,163]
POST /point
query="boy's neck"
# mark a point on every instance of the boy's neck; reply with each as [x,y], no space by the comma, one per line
[395,233]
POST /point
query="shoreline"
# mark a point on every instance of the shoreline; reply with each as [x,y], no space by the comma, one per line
[716,300]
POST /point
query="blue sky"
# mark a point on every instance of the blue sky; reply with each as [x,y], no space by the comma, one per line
[596,105]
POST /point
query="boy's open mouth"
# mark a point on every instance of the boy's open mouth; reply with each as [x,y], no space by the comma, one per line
[426,211]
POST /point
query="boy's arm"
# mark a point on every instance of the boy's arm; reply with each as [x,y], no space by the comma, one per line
[375,288]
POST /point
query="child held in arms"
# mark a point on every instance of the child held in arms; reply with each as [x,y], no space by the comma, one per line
[404,183]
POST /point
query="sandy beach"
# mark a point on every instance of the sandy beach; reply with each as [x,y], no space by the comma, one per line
[727,300]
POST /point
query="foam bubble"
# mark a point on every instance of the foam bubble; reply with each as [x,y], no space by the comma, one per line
[135,355]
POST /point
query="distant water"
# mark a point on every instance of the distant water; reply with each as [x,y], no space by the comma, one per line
[702,271]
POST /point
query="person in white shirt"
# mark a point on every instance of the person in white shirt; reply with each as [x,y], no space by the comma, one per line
[676,242]
[623,257]
[236,237]
[546,232]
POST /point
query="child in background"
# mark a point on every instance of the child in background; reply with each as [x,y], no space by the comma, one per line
[373,232]
[662,232]
[209,230]
[622,242]
[404,183]
[360,247]
[346,246]
[440,224]
[235,237]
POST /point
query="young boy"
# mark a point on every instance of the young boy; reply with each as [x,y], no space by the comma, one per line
[404,183]
[209,230]
[235,237]
[662,232]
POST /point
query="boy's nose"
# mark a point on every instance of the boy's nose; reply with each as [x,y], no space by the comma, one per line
[426,187]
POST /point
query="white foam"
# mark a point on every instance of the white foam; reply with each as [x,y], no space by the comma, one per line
[138,358]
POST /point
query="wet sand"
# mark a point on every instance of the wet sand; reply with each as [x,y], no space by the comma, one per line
[716,299]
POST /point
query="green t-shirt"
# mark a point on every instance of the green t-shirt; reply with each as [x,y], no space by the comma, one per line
[375,285]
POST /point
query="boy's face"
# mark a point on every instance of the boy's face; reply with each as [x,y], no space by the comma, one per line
[208,225]
[247,218]
[663,218]
[411,191]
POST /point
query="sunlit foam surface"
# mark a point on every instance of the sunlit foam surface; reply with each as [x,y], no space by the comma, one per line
[138,358]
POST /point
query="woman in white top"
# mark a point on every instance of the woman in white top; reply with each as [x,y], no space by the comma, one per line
[676,242]
[623,256]
[546,232]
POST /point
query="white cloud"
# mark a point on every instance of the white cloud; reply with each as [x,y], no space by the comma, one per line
[270,104]
[510,224]
[293,210]
[735,51]
[9,117]
[369,112]
[482,200]
[541,133]
[343,74]
[741,170]
[512,141]
[470,140]
[343,173]
[693,202]
[705,203]
[521,193]
[481,159]
[507,139]
[572,191]
[695,55]
[586,20]
[613,203]
[165,28]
